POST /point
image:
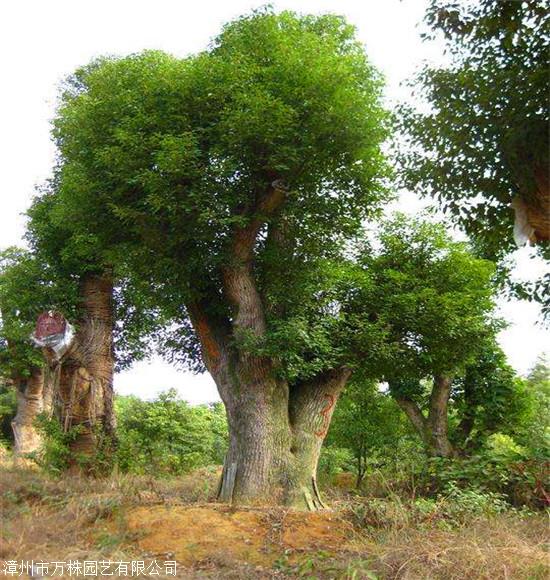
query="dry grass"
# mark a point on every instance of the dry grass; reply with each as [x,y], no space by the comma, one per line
[125,518]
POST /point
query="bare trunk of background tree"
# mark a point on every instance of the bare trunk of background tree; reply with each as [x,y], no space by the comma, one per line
[433,429]
[32,399]
[438,428]
[84,376]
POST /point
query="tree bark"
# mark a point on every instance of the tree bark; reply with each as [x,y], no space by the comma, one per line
[275,429]
[432,429]
[84,377]
[311,407]
[438,417]
[31,401]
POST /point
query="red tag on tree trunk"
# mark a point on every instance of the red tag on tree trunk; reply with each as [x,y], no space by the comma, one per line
[50,323]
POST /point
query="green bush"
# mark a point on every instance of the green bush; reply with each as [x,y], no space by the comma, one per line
[168,436]
[334,460]
[8,409]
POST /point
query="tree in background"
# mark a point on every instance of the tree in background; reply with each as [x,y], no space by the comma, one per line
[482,147]
[369,423]
[488,398]
[113,322]
[536,431]
[27,287]
[436,301]
[167,436]
[229,180]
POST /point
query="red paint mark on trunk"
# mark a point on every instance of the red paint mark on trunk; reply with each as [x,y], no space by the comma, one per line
[325,414]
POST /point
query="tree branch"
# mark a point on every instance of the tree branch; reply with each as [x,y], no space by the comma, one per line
[210,337]
[238,277]
[413,412]
[317,396]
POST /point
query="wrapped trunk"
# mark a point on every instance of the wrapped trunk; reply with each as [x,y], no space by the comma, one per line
[84,376]
[33,398]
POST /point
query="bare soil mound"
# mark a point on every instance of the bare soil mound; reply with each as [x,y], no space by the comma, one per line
[192,535]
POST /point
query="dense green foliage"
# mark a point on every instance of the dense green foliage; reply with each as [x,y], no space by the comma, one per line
[28,286]
[369,424]
[475,147]
[8,406]
[489,398]
[172,156]
[509,459]
[167,436]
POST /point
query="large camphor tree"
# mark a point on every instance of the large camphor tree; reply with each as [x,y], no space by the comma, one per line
[229,181]
[480,147]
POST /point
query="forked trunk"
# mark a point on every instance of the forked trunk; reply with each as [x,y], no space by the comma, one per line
[32,400]
[433,429]
[311,407]
[275,438]
[275,429]
[438,429]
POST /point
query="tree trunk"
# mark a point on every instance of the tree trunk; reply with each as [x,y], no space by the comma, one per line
[311,407]
[275,437]
[438,417]
[413,412]
[432,429]
[259,442]
[30,402]
[275,429]
[84,390]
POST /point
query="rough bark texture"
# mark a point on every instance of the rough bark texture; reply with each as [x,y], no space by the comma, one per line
[275,437]
[311,407]
[464,428]
[84,375]
[438,417]
[275,429]
[32,399]
[433,429]
[527,155]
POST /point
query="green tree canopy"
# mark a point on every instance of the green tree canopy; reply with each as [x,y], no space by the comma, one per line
[434,300]
[27,288]
[215,178]
[483,140]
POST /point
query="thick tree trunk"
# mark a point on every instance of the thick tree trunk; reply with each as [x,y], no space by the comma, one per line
[259,442]
[275,430]
[275,437]
[84,377]
[311,407]
[433,429]
[31,401]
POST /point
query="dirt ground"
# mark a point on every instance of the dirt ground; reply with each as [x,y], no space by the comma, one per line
[195,535]
[124,519]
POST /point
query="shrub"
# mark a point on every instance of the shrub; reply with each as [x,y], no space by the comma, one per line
[167,436]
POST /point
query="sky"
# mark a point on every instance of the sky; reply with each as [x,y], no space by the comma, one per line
[43,42]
